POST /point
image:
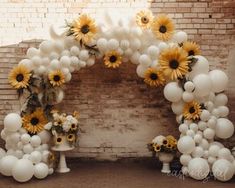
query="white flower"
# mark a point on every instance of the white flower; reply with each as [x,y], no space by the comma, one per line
[66,126]
[69,118]
[158,139]
[48,126]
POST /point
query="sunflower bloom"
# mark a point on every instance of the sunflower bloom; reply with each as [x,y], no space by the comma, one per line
[163,27]
[34,122]
[191,48]
[19,77]
[58,140]
[84,28]
[157,147]
[144,19]
[192,110]
[154,77]
[56,78]
[71,137]
[174,63]
[112,59]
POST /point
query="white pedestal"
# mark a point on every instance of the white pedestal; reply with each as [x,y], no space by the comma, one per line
[62,166]
[165,158]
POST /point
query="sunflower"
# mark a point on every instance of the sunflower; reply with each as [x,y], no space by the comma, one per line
[191,48]
[58,140]
[163,27]
[192,110]
[144,19]
[112,59]
[34,122]
[71,137]
[19,77]
[174,62]
[165,142]
[51,158]
[84,28]
[157,147]
[74,127]
[154,77]
[56,78]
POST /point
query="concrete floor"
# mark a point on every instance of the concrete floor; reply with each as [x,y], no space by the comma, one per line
[113,175]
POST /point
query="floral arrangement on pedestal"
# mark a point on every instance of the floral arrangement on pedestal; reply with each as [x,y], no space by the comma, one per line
[164,58]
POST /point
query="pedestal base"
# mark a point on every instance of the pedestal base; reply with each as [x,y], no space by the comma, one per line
[166,168]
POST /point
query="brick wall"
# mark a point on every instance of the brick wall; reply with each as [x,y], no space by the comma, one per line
[121,115]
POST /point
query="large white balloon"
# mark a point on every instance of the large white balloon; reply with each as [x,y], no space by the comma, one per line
[23,170]
[198,168]
[41,170]
[35,157]
[2,153]
[219,80]
[202,84]
[223,170]
[224,128]
[6,164]
[184,159]
[173,92]
[201,67]
[177,107]
[186,144]
[141,70]
[12,122]
[180,37]
[35,140]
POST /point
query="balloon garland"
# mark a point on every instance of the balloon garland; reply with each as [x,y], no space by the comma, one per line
[164,57]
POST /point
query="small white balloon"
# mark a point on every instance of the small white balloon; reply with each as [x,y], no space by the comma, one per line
[198,138]
[219,80]
[74,50]
[188,97]
[205,115]
[202,84]
[31,52]
[209,133]
[224,153]
[84,55]
[23,170]
[46,47]
[186,144]
[90,62]
[65,61]
[41,170]
[102,44]
[194,127]
[204,144]
[55,64]
[25,138]
[2,154]
[153,52]
[183,128]
[35,141]
[28,148]
[224,128]
[145,60]
[180,37]
[140,70]
[184,159]
[189,86]
[12,122]
[113,44]
[162,45]
[223,111]
[173,92]
[35,157]
[124,44]
[221,99]
[213,150]
[177,107]
[198,152]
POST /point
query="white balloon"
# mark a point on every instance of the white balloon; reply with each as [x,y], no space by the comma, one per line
[223,111]
[209,133]
[27,63]
[211,160]
[173,92]
[102,44]
[32,52]
[28,148]
[145,60]
[180,37]
[84,55]
[184,159]
[189,86]
[41,170]
[215,112]
[25,138]
[35,157]
[60,95]
[209,106]
[90,62]
[45,146]
[2,154]
[12,122]
[59,46]
[186,144]
[153,52]
[223,170]
[45,155]
[194,127]
[141,71]
[124,44]
[213,150]
[202,84]
[53,55]
[204,144]
[198,168]
[135,44]
[82,64]
[65,61]
[162,45]
[20,145]
[219,80]
[3,134]
[6,164]
[221,99]
[55,64]
[177,107]
[35,141]
[198,138]
[205,115]
[188,97]
[128,53]
[19,154]
[65,53]
[190,133]
[183,128]
[198,152]
[113,44]
[212,123]
[224,128]
[200,67]
[46,47]
[224,153]
[74,50]
[23,170]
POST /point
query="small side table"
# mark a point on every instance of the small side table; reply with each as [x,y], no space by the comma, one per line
[62,166]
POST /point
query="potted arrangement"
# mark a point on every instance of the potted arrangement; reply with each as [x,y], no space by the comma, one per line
[165,149]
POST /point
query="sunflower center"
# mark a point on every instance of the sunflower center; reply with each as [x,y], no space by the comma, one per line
[56,78]
[34,121]
[20,77]
[191,110]
[70,136]
[85,29]
[153,76]
[73,126]
[144,20]
[174,64]
[162,29]
[59,139]
[191,52]
[113,59]
[165,142]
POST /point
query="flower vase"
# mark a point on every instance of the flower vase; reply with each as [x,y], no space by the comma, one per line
[62,148]
[165,158]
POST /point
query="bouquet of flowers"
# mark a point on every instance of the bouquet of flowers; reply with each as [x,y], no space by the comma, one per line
[64,128]
[163,144]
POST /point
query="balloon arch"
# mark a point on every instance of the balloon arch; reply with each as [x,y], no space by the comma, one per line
[164,57]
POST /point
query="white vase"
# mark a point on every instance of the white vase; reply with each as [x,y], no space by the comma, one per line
[165,158]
